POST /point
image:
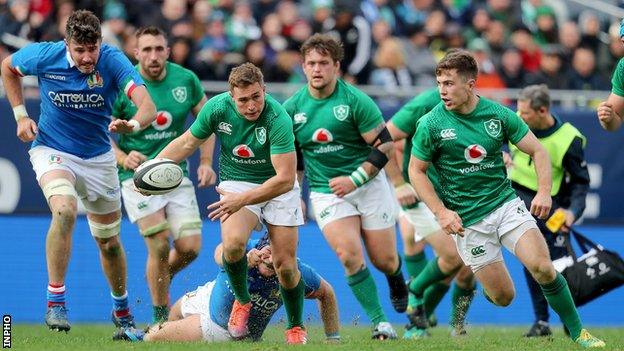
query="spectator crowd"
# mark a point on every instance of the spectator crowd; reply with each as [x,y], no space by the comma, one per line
[390,43]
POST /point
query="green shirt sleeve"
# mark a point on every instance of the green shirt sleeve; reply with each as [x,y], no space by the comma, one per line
[289,106]
[281,135]
[515,127]
[119,107]
[366,114]
[202,126]
[405,119]
[198,90]
[617,82]
[421,142]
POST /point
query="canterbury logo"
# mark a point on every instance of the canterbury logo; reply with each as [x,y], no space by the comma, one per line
[477,251]
[224,128]
[448,134]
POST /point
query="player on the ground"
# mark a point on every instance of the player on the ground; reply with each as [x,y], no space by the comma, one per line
[473,200]
[202,314]
[79,79]
[257,171]
[176,91]
[428,286]
[570,182]
[345,144]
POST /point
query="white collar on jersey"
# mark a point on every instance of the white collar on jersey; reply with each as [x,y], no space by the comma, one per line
[69,59]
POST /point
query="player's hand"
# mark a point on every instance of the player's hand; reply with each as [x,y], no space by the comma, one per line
[206,175]
[341,186]
[406,194]
[226,206]
[120,126]
[507,160]
[450,222]
[26,129]
[133,160]
[253,257]
[569,220]
[605,112]
[541,205]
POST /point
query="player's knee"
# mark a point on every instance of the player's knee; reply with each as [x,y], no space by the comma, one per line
[110,247]
[543,271]
[503,298]
[387,263]
[65,212]
[349,259]
[189,247]
[233,250]
[158,246]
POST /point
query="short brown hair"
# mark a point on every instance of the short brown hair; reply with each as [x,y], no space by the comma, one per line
[83,27]
[245,75]
[325,45]
[462,61]
[150,30]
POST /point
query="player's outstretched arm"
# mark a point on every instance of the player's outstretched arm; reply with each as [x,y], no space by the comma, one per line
[449,220]
[610,112]
[542,202]
[146,113]
[11,79]
[205,174]
[328,308]
[181,147]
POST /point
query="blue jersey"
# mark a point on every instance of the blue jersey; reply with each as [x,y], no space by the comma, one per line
[75,107]
[265,297]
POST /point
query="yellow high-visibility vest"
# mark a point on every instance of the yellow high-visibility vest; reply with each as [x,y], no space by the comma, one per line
[556,144]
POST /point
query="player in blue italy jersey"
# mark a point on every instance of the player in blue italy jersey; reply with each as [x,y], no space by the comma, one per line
[203,314]
[79,79]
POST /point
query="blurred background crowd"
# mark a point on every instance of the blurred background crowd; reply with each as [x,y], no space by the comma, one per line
[389,43]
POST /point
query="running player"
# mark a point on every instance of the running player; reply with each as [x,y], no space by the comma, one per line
[79,79]
[429,285]
[473,200]
[345,144]
[176,92]
[257,170]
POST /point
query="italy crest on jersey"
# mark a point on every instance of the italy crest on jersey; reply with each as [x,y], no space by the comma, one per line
[493,127]
[341,112]
[179,94]
[95,80]
[261,135]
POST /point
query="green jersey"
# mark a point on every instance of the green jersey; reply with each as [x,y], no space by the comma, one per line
[174,97]
[617,82]
[329,131]
[408,116]
[465,151]
[246,146]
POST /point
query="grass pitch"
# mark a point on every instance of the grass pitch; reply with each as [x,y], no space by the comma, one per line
[98,337]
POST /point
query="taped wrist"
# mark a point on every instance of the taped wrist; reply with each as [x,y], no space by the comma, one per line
[359,177]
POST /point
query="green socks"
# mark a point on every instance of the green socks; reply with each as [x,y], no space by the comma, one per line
[433,295]
[431,274]
[415,263]
[559,298]
[160,314]
[365,291]
[293,303]
[237,274]
[461,300]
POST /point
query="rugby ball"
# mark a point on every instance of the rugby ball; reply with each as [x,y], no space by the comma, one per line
[158,176]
